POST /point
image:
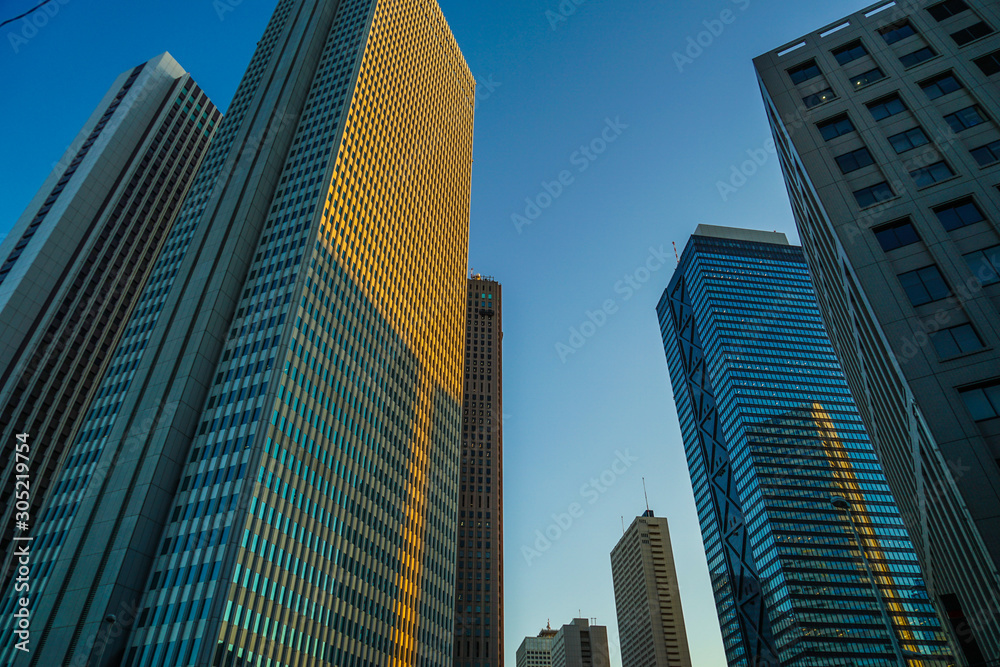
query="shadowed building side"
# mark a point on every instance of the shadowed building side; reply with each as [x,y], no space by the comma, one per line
[76,261]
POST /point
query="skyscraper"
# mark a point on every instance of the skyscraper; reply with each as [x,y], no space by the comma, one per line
[647,596]
[75,262]
[809,558]
[537,651]
[479,588]
[269,474]
[886,128]
[580,644]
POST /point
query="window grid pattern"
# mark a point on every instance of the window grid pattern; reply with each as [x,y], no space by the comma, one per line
[85,324]
[346,551]
[479,584]
[81,470]
[795,440]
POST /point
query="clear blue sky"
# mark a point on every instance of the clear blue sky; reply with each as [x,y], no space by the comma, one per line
[553,91]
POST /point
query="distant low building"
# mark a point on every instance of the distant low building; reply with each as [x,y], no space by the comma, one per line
[537,651]
[581,644]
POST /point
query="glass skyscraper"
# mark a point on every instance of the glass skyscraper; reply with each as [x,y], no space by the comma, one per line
[269,472]
[809,558]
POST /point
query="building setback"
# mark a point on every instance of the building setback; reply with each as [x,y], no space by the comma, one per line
[537,651]
[269,473]
[886,128]
[479,589]
[580,644]
[75,263]
[647,596]
[772,438]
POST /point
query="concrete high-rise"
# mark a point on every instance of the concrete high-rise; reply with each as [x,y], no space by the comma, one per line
[580,644]
[647,596]
[269,473]
[479,587]
[809,558]
[76,260]
[886,127]
[537,651]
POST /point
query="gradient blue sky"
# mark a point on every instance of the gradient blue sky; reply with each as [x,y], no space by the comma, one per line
[544,92]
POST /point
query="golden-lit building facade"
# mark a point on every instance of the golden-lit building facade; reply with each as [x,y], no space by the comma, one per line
[369,391]
[291,497]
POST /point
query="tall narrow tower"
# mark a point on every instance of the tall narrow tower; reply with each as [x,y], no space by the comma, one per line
[75,263]
[479,588]
[648,597]
[269,473]
[809,558]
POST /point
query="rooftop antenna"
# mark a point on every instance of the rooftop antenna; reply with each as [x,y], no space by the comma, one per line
[677,254]
[623,524]
[644,493]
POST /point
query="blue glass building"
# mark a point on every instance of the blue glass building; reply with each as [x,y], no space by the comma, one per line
[809,558]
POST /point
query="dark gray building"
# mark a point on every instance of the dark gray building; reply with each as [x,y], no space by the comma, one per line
[886,126]
[74,265]
[479,588]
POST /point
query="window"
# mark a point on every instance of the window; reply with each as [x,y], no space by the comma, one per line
[965,118]
[983,402]
[897,32]
[908,140]
[957,214]
[888,106]
[835,127]
[917,57]
[873,194]
[804,72]
[896,235]
[989,64]
[985,264]
[987,154]
[854,160]
[947,9]
[956,340]
[850,52]
[924,285]
[869,77]
[940,85]
[816,99]
[931,174]
[972,33]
